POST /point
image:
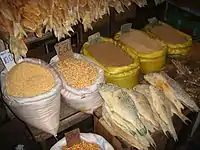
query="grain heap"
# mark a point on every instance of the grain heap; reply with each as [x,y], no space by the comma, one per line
[83,146]
[109,54]
[28,80]
[77,73]
[32,90]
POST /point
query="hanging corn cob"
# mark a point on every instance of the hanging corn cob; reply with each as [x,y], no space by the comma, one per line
[18,16]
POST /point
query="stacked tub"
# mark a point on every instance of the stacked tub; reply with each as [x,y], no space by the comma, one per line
[121,65]
[151,52]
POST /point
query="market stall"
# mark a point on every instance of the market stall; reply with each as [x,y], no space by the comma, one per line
[138,86]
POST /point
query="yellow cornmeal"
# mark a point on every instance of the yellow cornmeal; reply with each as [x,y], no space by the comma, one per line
[83,146]
[28,80]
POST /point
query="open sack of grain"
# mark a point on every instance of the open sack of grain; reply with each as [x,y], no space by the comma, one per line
[120,64]
[86,137]
[32,90]
[178,43]
[151,52]
[80,77]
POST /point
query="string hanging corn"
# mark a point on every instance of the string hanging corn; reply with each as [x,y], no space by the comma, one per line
[59,16]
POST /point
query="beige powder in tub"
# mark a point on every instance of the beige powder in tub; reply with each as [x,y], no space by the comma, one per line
[109,54]
[168,34]
[140,41]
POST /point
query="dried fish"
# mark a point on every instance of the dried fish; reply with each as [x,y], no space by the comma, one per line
[122,131]
[144,89]
[124,112]
[120,102]
[180,94]
[178,113]
[144,109]
[163,110]
[182,70]
[157,80]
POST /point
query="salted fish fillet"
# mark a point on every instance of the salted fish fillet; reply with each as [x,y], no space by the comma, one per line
[148,124]
[143,106]
[180,94]
[163,110]
[157,80]
[144,89]
[117,127]
[123,108]
[177,112]
[121,103]
[145,140]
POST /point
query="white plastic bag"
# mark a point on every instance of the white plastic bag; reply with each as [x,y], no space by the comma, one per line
[88,137]
[42,111]
[86,99]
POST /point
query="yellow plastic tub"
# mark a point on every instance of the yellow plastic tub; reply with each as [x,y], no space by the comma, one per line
[123,76]
[149,61]
[173,48]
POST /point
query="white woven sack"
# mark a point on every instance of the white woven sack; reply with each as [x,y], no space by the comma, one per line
[85,99]
[43,111]
[88,137]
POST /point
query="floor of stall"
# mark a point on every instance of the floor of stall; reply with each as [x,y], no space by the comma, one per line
[14,133]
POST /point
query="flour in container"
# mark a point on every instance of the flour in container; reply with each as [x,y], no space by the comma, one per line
[168,34]
[28,80]
[109,54]
[140,42]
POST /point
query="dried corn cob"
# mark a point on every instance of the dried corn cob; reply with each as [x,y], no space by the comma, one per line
[18,16]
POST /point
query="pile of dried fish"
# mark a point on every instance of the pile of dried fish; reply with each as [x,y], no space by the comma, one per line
[145,109]
[188,74]
[18,16]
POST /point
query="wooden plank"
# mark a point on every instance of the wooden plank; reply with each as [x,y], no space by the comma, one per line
[34,38]
[73,120]
[66,110]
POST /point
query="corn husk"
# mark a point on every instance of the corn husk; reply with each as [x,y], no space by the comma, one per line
[58,16]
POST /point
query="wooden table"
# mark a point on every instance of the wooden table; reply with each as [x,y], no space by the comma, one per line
[68,118]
